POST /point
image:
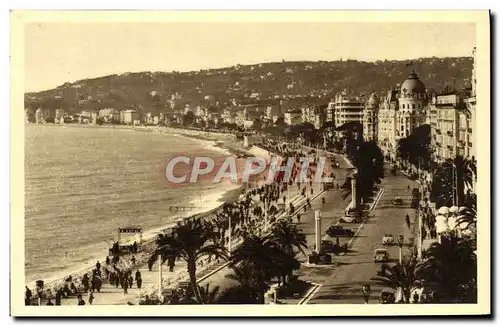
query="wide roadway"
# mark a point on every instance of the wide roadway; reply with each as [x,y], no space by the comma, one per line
[341,282]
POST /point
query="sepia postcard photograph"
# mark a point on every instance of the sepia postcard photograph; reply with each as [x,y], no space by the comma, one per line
[246,163]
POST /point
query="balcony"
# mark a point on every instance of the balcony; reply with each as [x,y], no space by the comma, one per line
[469,144]
[438,131]
[450,147]
[469,130]
[438,144]
[449,133]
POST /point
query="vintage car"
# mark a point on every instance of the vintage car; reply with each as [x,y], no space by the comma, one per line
[351,219]
[327,246]
[339,231]
[388,239]
[398,201]
[387,296]
[381,256]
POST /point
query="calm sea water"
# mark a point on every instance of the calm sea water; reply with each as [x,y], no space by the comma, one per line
[82,183]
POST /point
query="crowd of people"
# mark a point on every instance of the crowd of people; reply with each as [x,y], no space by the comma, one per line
[119,275]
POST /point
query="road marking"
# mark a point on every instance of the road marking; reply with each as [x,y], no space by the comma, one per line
[375,202]
[311,293]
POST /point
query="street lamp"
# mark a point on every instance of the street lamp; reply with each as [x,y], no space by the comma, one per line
[366,292]
[400,242]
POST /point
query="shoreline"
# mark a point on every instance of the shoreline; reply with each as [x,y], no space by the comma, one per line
[231,146]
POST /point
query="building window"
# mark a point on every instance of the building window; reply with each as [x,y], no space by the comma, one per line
[402,128]
[413,105]
[403,106]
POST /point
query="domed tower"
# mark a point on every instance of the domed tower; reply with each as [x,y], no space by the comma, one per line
[370,118]
[412,101]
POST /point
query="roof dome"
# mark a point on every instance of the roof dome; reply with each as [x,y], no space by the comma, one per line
[413,85]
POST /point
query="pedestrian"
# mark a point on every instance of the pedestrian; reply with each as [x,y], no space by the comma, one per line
[337,241]
[98,266]
[150,264]
[408,221]
[107,260]
[415,297]
[81,302]
[130,280]
[312,191]
[138,279]
[85,282]
[125,286]
[298,218]
[91,297]
[323,201]
[59,295]
[133,260]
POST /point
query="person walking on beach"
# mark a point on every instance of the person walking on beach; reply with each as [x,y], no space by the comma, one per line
[125,286]
[59,295]
[130,280]
[27,296]
[85,282]
[138,279]
[81,302]
[408,221]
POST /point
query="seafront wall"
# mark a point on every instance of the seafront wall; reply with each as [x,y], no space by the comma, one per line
[148,245]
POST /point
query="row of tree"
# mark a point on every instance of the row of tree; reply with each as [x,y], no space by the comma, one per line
[258,260]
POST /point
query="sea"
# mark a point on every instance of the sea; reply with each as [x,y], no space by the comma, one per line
[83,183]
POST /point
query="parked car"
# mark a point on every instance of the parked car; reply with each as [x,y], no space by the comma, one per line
[398,201]
[381,256]
[351,219]
[388,239]
[329,247]
[339,231]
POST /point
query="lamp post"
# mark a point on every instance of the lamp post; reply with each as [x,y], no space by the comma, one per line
[400,242]
[366,292]
[265,215]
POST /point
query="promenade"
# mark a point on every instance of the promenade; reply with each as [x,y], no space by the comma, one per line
[112,295]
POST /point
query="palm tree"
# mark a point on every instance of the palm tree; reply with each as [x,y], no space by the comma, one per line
[262,259]
[191,241]
[288,237]
[450,180]
[253,259]
[207,296]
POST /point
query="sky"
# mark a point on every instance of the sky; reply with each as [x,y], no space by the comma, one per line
[56,53]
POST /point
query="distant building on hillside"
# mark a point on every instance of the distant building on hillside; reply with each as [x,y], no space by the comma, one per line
[129,116]
[293,117]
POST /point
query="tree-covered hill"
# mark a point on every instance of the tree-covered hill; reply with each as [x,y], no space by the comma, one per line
[300,82]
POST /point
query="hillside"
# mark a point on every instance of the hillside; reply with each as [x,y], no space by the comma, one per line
[315,82]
